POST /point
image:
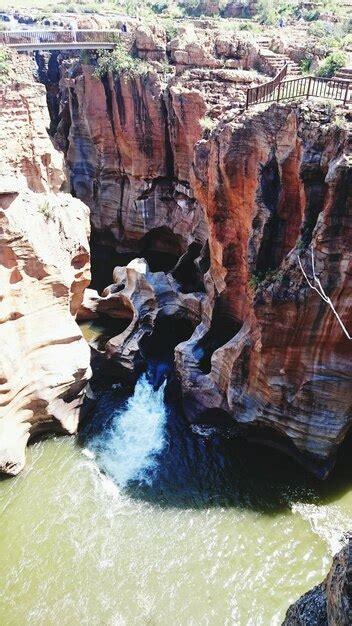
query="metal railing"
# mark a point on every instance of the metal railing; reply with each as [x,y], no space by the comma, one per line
[37,37]
[279,89]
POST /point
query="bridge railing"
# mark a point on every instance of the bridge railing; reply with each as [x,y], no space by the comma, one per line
[279,89]
[34,37]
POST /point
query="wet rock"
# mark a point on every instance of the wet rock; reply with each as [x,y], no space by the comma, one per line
[330,603]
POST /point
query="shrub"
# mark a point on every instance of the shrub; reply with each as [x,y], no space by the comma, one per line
[347,40]
[5,65]
[254,281]
[340,120]
[267,12]
[331,64]
[171,28]
[207,123]
[320,29]
[47,210]
[159,7]
[305,65]
[119,62]
[311,16]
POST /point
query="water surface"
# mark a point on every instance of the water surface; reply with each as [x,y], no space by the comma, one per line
[149,522]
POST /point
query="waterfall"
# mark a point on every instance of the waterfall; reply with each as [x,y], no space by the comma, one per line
[129,450]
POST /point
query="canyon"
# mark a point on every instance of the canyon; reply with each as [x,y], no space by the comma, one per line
[235,210]
[199,229]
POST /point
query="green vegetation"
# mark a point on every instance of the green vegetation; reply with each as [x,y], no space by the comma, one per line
[269,12]
[340,120]
[254,281]
[47,210]
[305,65]
[329,104]
[171,28]
[121,63]
[5,66]
[207,123]
[331,64]
[256,278]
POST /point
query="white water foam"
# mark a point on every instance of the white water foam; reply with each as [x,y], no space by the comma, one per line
[327,521]
[137,436]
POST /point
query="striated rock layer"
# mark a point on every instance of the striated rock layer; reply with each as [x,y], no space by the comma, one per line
[44,269]
[270,352]
[243,204]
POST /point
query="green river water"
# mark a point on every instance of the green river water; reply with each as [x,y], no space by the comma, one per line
[78,548]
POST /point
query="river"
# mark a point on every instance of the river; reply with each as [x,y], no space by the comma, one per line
[145,521]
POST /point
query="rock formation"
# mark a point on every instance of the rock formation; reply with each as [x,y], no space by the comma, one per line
[272,354]
[225,206]
[141,298]
[44,269]
[330,603]
[264,187]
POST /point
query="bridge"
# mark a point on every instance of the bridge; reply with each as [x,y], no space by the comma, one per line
[28,40]
[278,89]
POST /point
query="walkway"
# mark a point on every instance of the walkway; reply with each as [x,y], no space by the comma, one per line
[28,40]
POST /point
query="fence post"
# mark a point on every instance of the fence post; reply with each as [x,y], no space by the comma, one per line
[278,92]
[309,84]
[247,98]
[346,94]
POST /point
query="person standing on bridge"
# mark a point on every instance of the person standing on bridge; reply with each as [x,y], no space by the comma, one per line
[73,27]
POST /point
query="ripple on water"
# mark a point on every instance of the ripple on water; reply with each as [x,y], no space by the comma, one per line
[79,548]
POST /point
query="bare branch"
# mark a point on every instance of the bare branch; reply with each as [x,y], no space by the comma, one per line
[320,291]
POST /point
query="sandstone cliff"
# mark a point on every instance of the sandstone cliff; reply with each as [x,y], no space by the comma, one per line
[230,202]
[44,268]
[255,195]
[275,185]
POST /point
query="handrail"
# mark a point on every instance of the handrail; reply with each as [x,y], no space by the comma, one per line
[14,38]
[301,87]
[262,93]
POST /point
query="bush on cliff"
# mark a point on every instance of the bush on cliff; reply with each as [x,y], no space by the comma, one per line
[331,64]
[120,63]
[5,65]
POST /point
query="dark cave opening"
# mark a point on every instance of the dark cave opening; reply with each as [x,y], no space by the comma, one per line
[222,329]
[315,189]
[168,332]
[104,259]
[267,258]
[161,248]
[158,347]
[187,273]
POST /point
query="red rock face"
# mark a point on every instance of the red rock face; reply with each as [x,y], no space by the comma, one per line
[120,158]
[275,356]
[265,187]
